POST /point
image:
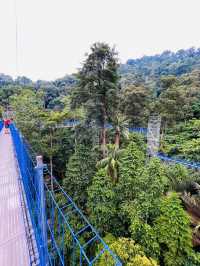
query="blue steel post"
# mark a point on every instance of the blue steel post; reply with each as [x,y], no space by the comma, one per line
[40,181]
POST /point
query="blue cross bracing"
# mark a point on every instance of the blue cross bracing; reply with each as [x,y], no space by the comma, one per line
[62,234]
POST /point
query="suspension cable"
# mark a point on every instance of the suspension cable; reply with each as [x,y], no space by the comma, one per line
[16,39]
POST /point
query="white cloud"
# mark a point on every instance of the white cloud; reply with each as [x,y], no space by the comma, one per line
[55,34]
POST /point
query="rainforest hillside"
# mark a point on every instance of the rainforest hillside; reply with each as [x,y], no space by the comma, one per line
[145,70]
[147,211]
[151,68]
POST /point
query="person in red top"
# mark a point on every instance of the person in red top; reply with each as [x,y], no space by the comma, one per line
[6,125]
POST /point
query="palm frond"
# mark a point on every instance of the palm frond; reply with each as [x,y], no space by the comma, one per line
[102,163]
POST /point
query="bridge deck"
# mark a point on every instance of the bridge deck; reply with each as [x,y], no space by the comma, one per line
[13,244]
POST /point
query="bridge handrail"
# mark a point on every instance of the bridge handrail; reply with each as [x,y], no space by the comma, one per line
[56,250]
[27,171]
[88,225]
[73,123]
[190,164]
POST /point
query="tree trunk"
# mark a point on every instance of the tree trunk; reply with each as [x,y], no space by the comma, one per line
[51,172]
[51,164]
[103,141]
[103,132]
[117,137]
[163,130]
[75,144]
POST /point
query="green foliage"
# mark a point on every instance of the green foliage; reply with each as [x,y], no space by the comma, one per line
[137,138]
[143,261]
[120,125]
[97,90]
[6,92]
[111,162]
[168,63]
[193,259]
[148,188]
[183,140]
[131,162]
[106,199]
[62,149]
[102,203]
[177,175]
[1,112]
[191,149]
[134,102]
[173,231]
[167,236]
[168,81]
[28,112]
[145,219]
[175,105]
[128,251]
[145,235]
[39,126]
[80,170]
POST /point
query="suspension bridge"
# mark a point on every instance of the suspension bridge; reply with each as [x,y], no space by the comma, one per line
[40,225]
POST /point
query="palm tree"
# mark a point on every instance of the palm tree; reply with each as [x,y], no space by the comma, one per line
[111,163]
[121,128]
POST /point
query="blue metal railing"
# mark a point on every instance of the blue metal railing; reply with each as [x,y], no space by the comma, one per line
[189,164]
[140,130]
[73,123]
[30,185]
[79,236]
[1,125]
[71,239]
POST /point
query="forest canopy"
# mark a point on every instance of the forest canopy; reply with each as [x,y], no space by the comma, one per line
[142,207]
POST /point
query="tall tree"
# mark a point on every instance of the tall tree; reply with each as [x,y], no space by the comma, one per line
[98,87]
[28,113]
[134,103]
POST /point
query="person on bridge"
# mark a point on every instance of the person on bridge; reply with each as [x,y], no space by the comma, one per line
[7,125]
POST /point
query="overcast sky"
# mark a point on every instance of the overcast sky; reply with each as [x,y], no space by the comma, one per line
[54,35]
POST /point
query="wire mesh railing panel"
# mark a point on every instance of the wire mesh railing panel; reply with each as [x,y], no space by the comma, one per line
[1,125]
[30,185]
[72,239]
[65,237]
